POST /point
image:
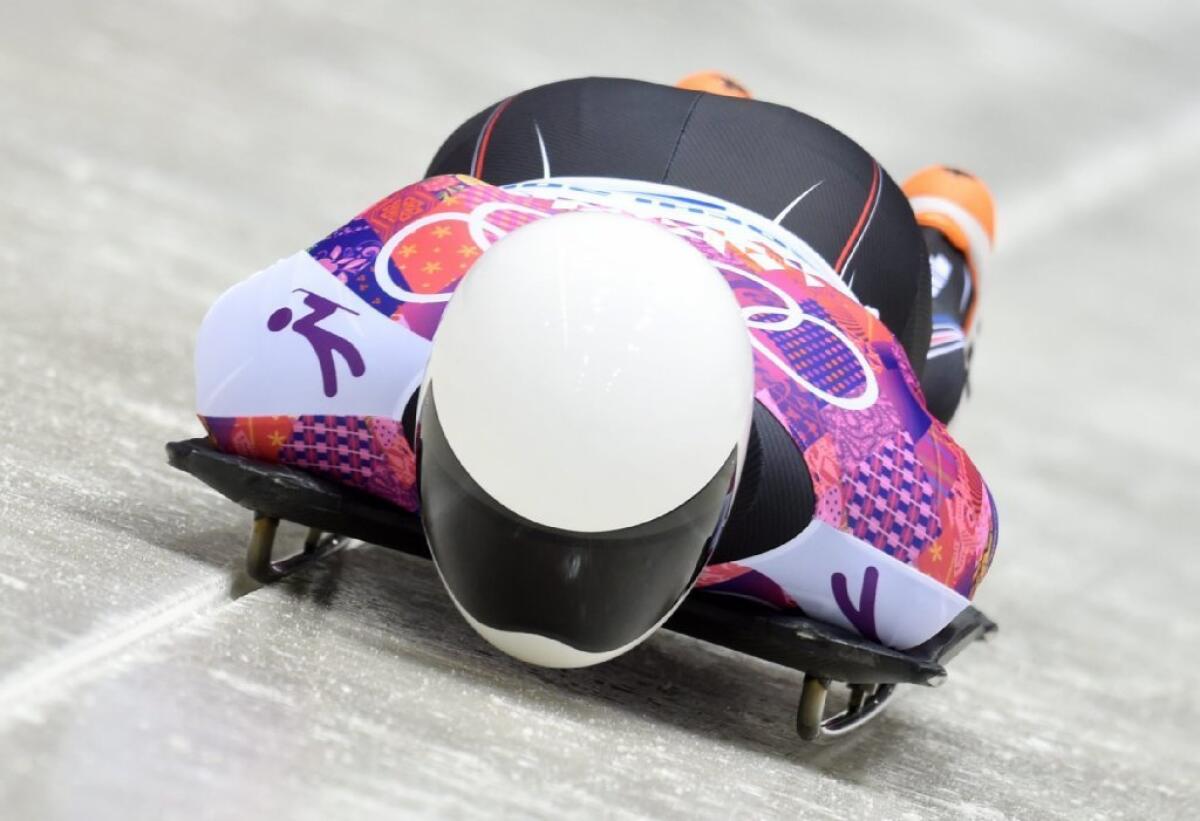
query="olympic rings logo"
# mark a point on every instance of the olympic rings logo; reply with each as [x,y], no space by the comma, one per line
[789,316]
[784,317]
[483,234]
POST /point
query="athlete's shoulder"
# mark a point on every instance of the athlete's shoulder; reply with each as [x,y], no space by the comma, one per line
[303,335]
[888,479]
[332,341]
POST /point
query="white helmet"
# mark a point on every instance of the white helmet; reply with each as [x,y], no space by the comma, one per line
[580,434]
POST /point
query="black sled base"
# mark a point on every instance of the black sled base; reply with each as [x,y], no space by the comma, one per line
[336,515]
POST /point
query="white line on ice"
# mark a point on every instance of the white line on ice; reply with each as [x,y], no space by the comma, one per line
[96,653]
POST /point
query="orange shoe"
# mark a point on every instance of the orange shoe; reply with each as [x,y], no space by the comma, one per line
[714,82]
[960,206]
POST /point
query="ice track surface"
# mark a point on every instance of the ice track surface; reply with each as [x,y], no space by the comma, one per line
[153,154]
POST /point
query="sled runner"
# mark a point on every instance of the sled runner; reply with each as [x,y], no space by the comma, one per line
[336,515]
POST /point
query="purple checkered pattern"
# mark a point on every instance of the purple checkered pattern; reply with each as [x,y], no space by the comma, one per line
[820,357]
[891,502]
[339,447]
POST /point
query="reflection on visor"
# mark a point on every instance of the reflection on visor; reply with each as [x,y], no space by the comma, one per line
[592,591]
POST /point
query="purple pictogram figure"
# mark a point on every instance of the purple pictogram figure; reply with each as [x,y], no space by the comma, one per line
[324,343]
[863,616]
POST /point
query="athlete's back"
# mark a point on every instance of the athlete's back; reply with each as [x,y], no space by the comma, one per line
[316,361]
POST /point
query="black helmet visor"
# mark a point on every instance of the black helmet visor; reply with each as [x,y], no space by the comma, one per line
[595,592]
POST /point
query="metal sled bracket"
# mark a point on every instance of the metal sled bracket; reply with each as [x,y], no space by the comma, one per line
[866,702]
[260,563]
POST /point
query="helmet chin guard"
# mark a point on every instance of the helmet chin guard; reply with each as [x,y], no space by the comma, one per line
[580,433]
[556,597]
